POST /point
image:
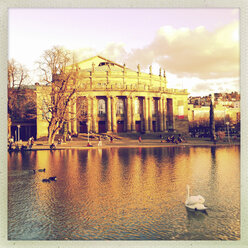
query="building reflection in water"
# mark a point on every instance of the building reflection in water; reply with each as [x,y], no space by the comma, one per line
[109,191]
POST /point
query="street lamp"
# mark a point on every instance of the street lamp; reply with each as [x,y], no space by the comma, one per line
[18,126]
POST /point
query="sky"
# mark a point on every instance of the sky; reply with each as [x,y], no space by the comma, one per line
[198,48]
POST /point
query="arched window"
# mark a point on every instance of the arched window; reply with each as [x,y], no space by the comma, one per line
[101,107]
[120,107]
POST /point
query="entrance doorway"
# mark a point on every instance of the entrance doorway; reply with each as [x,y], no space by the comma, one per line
[101,127]
[120,126]
[154,125]
[83,127]
[138,126]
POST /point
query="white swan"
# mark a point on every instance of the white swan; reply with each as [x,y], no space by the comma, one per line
[194,202]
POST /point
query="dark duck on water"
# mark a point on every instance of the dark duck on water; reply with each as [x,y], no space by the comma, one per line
[45,180]
[53,178]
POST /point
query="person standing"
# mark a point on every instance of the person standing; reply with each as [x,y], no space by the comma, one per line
[99,141]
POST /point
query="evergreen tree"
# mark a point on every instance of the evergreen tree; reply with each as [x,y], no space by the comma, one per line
[212,122]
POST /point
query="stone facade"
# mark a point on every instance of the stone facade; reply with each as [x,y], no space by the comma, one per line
[122,100]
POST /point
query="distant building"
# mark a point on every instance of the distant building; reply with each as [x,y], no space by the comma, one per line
[122,100]
[236,104]
[199,115]
[223,99]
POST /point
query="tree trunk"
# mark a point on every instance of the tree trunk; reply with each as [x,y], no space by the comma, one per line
[51,133]
[51,138]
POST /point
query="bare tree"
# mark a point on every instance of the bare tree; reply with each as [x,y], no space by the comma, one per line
[21,100]
[61,78]
[82,108]
[17,74]
[21,104]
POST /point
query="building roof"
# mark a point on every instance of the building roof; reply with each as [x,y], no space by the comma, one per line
[102,58]
[100,64]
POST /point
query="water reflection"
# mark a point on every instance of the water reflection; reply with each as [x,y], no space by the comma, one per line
[199,215]
[124,193]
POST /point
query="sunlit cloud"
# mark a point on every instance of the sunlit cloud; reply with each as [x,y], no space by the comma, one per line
[115,52]
[202,87]
[112,51]
[199,52]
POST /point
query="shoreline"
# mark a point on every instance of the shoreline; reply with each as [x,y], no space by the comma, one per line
[82,145]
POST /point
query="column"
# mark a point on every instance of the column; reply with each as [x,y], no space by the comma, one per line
[161,126]
[89,113]
[146,115]
[94,115]
[129,114]
[74,121]
[133,114]
[70,116]
[150,114]
[164,112]
[109,114]
[114,114]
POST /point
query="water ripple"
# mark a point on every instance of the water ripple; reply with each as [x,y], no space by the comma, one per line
[125,194]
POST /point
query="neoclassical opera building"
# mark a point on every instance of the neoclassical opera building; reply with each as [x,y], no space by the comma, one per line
[122,100]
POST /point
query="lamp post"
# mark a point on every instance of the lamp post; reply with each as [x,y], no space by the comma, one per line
[18,136]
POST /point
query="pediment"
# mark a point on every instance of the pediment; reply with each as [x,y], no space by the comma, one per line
[98,61]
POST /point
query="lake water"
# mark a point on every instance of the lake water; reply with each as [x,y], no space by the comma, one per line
[124,194]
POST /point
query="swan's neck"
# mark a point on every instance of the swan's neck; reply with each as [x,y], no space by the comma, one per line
[187,191]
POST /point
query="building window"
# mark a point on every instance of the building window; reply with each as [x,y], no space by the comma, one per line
[137,106]
[101,107]
[120,107]
[153,107]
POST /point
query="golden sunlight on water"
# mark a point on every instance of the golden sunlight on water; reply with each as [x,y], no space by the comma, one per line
[120,193]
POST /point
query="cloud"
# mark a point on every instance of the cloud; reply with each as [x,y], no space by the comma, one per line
[205,87]
[198,53]
[198,60]
[202,87]
[115,52]
[112,51]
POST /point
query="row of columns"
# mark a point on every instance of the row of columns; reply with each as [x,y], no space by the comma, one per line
[130,115]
